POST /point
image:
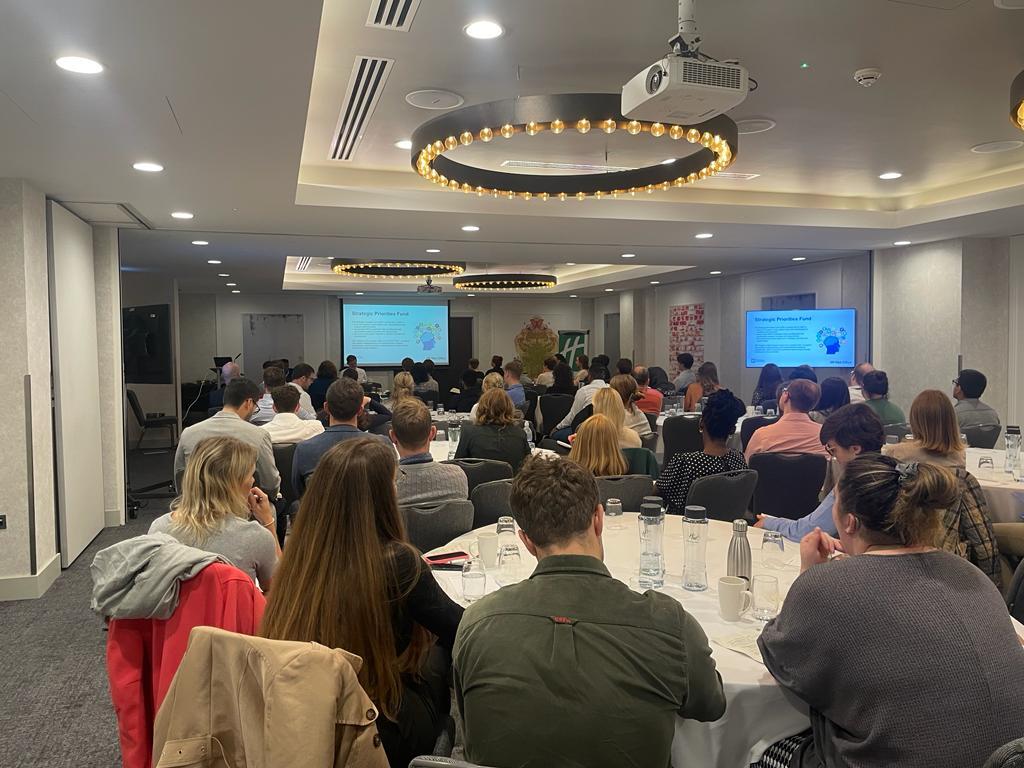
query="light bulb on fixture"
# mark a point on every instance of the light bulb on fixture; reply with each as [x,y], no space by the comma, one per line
[79,65]
[147,166]
[404,144]
[484,30]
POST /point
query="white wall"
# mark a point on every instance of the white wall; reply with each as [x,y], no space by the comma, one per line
[603,305]
[197,329]
[985,314]
[1015,383]
[706,292]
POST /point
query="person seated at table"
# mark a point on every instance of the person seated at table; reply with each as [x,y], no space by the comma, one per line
[598,380]
[717,423]
[650,400]
[353,364]
[547,377]
[496,363]
[686,375]
[407,364]
[469,394]
[228,373]
[272,377]
[351,579]
[491,381]
[936,433]
[626,387]
[375,414]
[474,368]
[794,432]
[624,367]
[604,681]
[857,381]
[968,388]
[221,511]
[876,397]
[423,386]
[767,384]
[286,426]
[513,385]
[494,434]
[326,374]
[897,623]
[401,388]
[608,403]
[564,384]
[705,386]
[804,372]
[582,375]
[596,447]
[834,395]
[421,480]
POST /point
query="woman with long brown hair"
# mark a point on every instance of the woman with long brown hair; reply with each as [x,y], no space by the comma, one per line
[705,386]
[635,419]
[495,433]
[936,433]
[350,579]
[596,447]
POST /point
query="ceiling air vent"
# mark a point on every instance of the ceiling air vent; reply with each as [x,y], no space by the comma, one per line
[365,86]
[392,14]
[303,263]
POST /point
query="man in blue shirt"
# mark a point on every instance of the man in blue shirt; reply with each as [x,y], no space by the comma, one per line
[852,430]
[513,372]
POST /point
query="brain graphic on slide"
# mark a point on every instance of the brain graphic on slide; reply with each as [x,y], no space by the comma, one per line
[831,339]
[427,335]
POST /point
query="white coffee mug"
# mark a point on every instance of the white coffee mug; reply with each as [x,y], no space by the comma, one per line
[486,548]
[734,598]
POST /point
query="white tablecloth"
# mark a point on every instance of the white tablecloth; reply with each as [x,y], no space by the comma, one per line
[1004,494]
[759,713]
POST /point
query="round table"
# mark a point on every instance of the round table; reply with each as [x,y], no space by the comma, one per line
[759,713]
[1005,495]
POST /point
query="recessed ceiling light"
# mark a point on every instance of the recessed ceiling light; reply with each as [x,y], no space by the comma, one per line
[471,228]
[570,263]
[704,236]
[404,144]
[608,290]
[434,99]
[80,65]
[200,242]
[147,166]
[484,30]
[182,215]
[805,65]
[213,261]
[223,274]
[754,125]
[991,147]
[230,285]
[629,255]
[901,242]
[471,295]
[668,161]
[890,175]
[359,293]
[236,291]
[433,250]
[572,296]
[799,258]
[715,272]
[655,282]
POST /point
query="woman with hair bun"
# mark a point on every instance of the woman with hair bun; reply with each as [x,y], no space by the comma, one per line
[717,422]
[904,653]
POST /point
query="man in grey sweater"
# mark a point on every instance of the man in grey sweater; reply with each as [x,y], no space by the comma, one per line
[422,481]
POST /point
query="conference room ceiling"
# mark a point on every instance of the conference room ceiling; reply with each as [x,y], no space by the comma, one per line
[238,101]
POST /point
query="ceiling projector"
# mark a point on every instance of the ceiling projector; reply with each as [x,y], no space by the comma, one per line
[686,86]
[429,287]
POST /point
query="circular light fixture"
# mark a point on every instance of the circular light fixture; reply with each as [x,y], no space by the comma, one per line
[434,98]
[992,147]
[704,235]
[1017,101]
[901,242]
[484,30]
[200,242]
[715,272]
[799,258]
[396,269]
[79,65]
[182,215]
[754,125]
[890,175]
[213,261]
[471,228]
[433,250]
[504,282]
[564,115]
[147,166]
[629,255]
[404,144]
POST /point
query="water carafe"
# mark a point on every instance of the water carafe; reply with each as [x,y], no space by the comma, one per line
[652,555]
[1012,461]
[695,549]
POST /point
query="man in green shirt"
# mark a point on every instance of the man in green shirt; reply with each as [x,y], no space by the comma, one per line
[876,397]
[572,668]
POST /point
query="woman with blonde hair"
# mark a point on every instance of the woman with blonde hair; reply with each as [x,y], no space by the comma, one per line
[491,381]
[351,579]
[936,433]
[495,432]
[401,389]
[705,386]
[608,403]
[596,446]
[217,500]
[635,419]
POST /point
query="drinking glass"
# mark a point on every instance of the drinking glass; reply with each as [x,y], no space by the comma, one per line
[613,509]
[986,462]
[440,410]
[766,597]
[474,580]
[510,564]
[773,549]
[506,524]
[759,410]
[454,432]
[892,439]
[771,412]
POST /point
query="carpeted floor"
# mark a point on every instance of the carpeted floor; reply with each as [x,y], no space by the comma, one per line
[55,706]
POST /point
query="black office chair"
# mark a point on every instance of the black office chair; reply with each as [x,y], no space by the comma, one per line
[491,501]
[650,442]
[753,423]
[284,453]
[482,470]
[579,418]
[430,398]
[681,434]
[629,489]
[383,428]
[161,422]
[553,408]
[1015,593]
[984,436]
[652,419]
[726,496]
[770,405]
[899,431]
[530,409]
[787,483]
[552,445]
[641,461]
[433,526]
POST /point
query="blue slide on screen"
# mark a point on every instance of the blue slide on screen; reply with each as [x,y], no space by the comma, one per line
[820,338]
[384,334]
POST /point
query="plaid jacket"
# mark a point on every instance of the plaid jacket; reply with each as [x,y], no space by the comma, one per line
[968,529]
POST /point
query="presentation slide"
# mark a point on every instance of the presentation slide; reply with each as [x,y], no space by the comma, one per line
[820,338]
[383,334]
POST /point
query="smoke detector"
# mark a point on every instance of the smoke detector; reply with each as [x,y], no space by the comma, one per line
[868,76]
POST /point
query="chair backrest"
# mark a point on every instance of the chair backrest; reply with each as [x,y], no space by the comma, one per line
[436,525]
[133,402]
[490,501]
[381,429]
[652,419]
[177,479]
[630,489]
[530,409]
[284,453]
[753,423]
[897,430]
[641,461]
[650,442]
[579,418]
[726,496]
[553,408]
[430,398]
[483,470]
[1007,756]
[540,389]
[671,401]
[770,405]
[436,761]
[787,483]
[1015,593]
[211,411]
[983,436]
[681,434]
[552,445]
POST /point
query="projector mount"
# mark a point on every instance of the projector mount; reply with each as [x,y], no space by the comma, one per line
[687,41]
